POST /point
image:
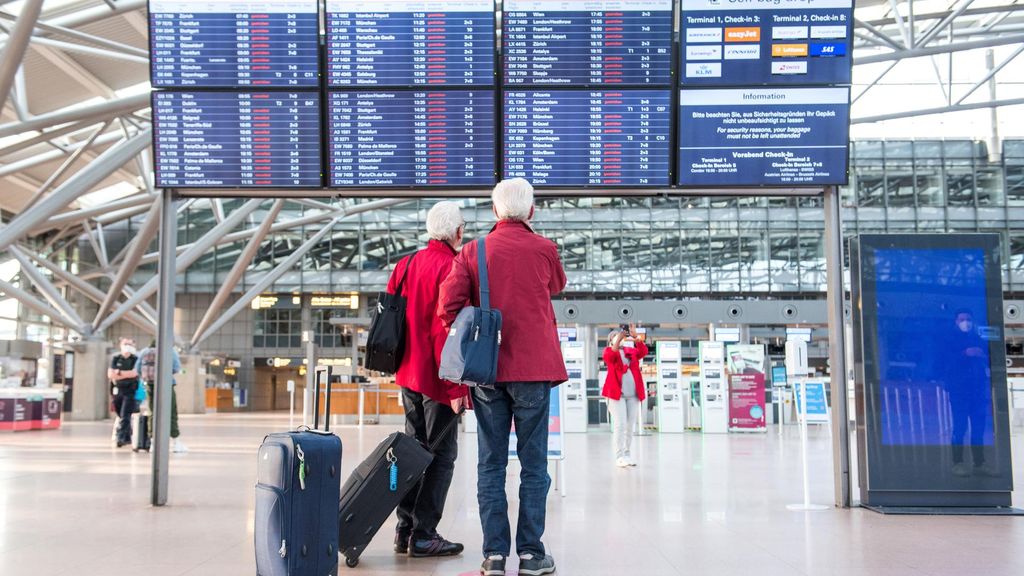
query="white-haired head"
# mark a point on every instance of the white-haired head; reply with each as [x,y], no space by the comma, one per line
[444,221]
[513,200]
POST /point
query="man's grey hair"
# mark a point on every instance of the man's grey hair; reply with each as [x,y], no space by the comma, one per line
[513,199]
[444,220]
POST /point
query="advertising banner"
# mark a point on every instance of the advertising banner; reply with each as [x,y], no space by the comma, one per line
[764,137]
[746,367]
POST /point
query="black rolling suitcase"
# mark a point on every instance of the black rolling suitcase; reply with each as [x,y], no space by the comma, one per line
[377,487]
[142,439]
[299,479]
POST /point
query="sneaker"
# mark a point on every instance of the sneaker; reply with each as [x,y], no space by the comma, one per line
[985,470]
[961,470]
[434,547]
[493,566]
[401,543]
[179,447]
[630,461]
[622,463]
[530,565]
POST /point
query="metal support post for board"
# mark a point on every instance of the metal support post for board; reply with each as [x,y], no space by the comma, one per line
[802,409]
[165,351]
[835,295]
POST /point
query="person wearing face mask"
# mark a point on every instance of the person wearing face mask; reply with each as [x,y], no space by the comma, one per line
[969,393]
[430,403]
[624,388]
[124,383]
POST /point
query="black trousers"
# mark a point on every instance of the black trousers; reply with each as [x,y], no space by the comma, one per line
[420,511]
[125,406]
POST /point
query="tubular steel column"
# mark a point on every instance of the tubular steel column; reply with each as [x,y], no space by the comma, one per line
[165,352]
[837,346]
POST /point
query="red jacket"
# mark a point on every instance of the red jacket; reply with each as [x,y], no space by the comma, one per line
[616,370]
[524,272]
[424,334]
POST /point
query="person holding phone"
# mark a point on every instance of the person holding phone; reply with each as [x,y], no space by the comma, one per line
[624,387]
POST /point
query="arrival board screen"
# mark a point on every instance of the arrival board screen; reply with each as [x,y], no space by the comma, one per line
[768,42]
[215,44]
[415,138]
[236,139]
[764,137]
[410,43]
[588,137]
[553,42]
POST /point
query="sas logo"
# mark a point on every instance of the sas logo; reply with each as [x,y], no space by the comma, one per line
[827,49]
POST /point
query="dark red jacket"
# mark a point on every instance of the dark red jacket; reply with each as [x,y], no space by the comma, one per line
[616,370]
[424,334]
[524,272]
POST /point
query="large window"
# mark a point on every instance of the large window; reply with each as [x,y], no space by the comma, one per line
[278,328]
[328,335]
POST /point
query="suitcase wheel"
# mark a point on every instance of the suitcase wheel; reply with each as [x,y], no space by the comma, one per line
[351,562]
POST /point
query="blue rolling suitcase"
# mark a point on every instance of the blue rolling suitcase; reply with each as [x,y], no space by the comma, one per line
[297,490]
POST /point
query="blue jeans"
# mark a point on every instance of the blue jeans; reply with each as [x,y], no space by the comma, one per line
[527,404]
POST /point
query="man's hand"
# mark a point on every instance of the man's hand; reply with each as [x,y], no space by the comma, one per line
[459,404]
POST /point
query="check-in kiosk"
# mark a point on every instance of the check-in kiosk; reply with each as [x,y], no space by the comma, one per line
[693,410]
[672,399]
[575,410]
[714,390]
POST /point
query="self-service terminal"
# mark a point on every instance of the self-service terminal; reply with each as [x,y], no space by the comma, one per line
[574,414]
[714,390]
[672,398]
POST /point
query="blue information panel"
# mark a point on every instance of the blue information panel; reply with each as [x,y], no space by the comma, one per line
[222,44]
[768,42]
[593,42]
[410,43]
[588,137]
[430,138]
[236,139]
[763,137]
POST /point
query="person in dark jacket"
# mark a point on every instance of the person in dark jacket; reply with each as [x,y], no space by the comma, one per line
[525,272]
[430,403]
[624,388]
[124,382]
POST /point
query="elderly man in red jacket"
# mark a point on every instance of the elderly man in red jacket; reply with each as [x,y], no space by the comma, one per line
[430,403]
[525,272]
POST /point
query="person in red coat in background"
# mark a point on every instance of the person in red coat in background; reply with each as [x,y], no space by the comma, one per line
[525,272]
[430,403]
[624,388]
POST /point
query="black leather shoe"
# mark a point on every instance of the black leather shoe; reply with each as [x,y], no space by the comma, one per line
[433,547]
[401,543]
[493,566]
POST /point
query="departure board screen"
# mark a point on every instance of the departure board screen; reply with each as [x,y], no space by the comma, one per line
[554,42]
[588,137]
[394,43]
[223,44]
[411,138]
[236,139]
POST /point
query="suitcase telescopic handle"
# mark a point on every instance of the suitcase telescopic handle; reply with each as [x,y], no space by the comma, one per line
[321,373]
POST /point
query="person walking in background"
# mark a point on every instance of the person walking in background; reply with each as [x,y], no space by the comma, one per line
[146,367]
[430,403]
[624,388]
[525,272]
[124,383]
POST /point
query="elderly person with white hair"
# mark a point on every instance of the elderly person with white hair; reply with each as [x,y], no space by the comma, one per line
[524,272]
[430,403]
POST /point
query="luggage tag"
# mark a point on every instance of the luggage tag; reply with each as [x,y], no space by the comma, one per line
[302,466]
[392,470]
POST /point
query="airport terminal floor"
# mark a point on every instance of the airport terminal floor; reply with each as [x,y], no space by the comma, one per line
[71,504]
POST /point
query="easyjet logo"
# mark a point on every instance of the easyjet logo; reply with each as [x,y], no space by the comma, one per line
[746,34]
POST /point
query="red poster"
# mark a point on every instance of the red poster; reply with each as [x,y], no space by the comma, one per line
[746,387]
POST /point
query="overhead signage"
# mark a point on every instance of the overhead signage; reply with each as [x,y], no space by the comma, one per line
[764,137]
[765,42]
[335,301]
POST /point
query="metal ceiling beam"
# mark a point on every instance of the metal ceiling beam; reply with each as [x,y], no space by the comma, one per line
[46,137]
[82,182]
[947,21]
[235,275]
[135,252]
[42,27]
[939,110]
[17,42]
[95,113]
[185,260]
[876,33]
[48,290]
[943,49]
[64,168]
[95,14]
[36,304]
[888,21]
[39,42]
[991,73]
[75,71]
[79,216]
[96,249]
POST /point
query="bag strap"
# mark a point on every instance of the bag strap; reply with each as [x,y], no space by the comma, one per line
[446,431]
[485,288]
[401,283]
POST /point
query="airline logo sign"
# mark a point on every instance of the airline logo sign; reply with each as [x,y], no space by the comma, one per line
[828,49]
[785,68]
[789,50]
[743,52]
[744,34]
[703,35]
[704,52]
[789,33]
[709,70]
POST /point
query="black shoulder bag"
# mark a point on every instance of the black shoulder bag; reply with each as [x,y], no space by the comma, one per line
[385,343]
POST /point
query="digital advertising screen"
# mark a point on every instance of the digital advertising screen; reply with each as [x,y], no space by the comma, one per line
[763,136]
[236,139]
[394,43]
[411,138]
[216,44]
[598,42]
[766,42]
[588,137]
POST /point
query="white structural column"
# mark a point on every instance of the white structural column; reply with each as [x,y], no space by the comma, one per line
[17,43]
[836,297]
[165,351]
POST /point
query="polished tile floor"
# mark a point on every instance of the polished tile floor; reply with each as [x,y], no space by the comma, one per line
[70,504]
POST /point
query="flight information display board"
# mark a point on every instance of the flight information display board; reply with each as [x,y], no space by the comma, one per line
[411,138]
[588,137]
[218,44]
[236,139]
[596,42]
[764,137]
[396,43]
[766,42]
